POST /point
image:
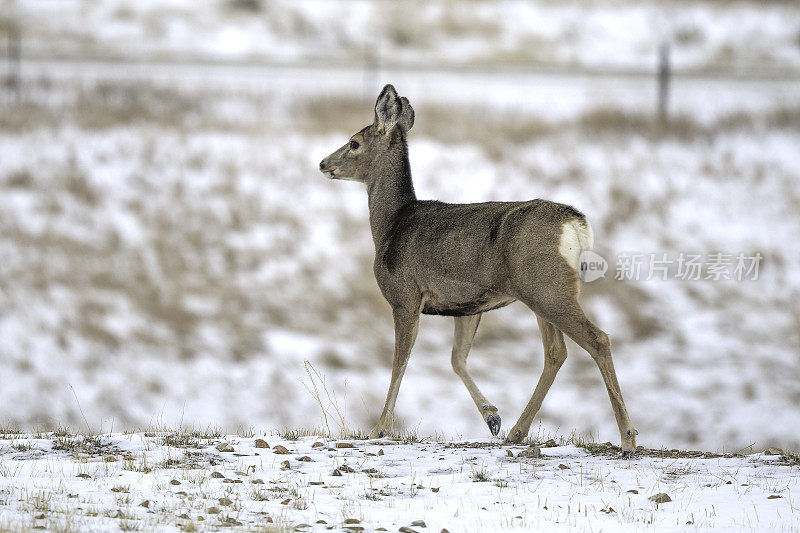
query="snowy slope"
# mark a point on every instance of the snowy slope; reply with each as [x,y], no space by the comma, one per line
[185,279]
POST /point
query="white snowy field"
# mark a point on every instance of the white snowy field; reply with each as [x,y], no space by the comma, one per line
[192,481]
[170,253]
[171,258]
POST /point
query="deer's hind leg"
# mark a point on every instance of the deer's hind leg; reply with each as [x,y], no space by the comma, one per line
[555,353]
[462,342]
[568,316]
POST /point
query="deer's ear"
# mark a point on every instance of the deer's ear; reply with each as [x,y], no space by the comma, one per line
[406,115]
[387,110]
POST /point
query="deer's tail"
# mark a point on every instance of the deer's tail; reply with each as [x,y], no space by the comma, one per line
[576,237]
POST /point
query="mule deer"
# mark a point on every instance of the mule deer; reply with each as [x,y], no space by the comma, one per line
[462,260]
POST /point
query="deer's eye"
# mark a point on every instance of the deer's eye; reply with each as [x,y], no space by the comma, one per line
[354,145]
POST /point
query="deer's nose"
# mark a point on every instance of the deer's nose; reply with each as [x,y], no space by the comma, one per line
[322,165]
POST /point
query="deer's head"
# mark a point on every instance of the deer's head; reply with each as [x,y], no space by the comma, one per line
[394,116]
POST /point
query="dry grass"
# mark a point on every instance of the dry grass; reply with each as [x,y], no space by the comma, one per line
[495,130]
[110,105]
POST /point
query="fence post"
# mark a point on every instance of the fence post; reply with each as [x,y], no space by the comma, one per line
[664,75]
[13,82]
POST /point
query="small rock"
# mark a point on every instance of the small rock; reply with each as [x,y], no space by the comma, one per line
[562,466]
[302,526]
[286,465]
[317,444]
[405,529]
[509,453]
[444,531]
[380,452]
[184,516]
[352,521]
[145,504]
[773,451]
[370,471]
[257,481]
[321,521]
[213,510]
[216,475]
[633,491]
[434,489]
[225,501]
[261,443]
[418,523]
[533,452]
[224,447]
[661,497]
[84,476]
[280,450]
[773,496]
[174,482]
[316,483]
[305,459]
[345,468]
[286,501]
[336,473]
[550,444]
[344,445]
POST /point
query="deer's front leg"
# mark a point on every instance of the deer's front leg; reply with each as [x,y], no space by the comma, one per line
[405,333]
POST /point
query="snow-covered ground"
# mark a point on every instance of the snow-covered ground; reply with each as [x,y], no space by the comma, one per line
[173,481]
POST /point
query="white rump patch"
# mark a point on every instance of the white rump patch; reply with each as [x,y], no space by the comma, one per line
[576,237]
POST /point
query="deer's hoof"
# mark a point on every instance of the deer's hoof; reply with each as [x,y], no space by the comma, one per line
[514,437]
[377,433]
[493,421]
[627,454]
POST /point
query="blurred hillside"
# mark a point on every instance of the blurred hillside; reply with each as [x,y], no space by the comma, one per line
[598,34]
[170,253]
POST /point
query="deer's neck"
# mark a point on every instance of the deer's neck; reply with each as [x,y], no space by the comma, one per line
[389,190]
